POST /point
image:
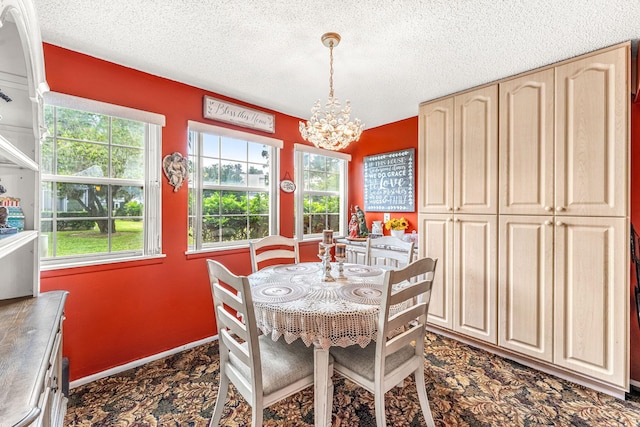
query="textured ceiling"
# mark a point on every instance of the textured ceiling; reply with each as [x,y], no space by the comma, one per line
[393,54]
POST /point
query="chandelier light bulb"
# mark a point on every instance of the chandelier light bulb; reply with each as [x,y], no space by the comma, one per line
[331,128]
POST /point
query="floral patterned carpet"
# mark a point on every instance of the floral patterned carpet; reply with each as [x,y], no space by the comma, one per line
[466,387]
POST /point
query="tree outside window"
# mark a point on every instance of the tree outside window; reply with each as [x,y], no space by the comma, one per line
[230,190]
[93,183]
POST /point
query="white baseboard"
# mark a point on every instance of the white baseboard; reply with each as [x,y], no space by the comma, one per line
[139,362]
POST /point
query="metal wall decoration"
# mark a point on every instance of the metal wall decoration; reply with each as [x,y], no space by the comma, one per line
[175,168]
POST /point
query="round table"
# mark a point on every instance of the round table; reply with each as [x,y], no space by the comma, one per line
[292,301]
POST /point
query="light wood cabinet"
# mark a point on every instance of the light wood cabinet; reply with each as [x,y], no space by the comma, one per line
[591,307]
[581,209]
[474,272]
[21,80]
[436,241]
[525,287]
[458,154]
[464,294]
[561,295]
[526,144]
[457,209]
[592,125]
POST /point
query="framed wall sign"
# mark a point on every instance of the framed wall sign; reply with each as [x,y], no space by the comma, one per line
[228,112]
[389,182]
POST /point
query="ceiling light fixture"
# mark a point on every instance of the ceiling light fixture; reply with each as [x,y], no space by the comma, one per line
[331,129]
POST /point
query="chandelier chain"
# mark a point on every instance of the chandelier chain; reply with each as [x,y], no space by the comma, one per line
[331,69]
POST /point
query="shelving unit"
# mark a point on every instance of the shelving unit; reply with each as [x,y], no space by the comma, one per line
[21,126]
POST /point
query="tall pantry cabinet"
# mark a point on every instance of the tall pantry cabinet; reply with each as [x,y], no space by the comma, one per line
[562,218]
[457,209]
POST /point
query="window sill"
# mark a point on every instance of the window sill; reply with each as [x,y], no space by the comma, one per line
[204,253]
[64,269]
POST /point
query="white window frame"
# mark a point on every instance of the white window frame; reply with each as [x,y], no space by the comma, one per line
[300,150]
[196,182]
[152,216]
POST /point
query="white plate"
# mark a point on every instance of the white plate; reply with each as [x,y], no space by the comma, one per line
[361,293]
[274,293]
[361,271]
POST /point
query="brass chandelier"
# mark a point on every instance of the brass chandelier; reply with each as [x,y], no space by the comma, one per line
[331,128]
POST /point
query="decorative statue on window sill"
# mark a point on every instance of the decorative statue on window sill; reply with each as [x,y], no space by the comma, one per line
[354,226]
[363,231]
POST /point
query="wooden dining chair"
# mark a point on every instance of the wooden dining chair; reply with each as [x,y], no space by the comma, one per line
[263,371]
[389,251]
[399,347]
[273,247]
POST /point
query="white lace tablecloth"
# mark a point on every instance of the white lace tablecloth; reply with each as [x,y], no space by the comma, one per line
[292,301]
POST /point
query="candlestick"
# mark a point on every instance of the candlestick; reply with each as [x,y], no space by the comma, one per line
[326,262]
[341,260]
[327,237]
[341,249]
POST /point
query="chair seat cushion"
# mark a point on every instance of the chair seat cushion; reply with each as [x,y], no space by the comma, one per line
[282,364]
[362,360]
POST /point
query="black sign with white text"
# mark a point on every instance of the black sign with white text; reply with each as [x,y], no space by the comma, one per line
[388,182]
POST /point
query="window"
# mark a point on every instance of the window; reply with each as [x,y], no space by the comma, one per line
[100,195]
[232,189]
[321,180]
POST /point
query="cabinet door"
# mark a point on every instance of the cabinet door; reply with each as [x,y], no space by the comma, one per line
[475,156]
[475,282]
[526,144]
[435,157]
[436,242]
[592,135]
[525,285]
[592,304]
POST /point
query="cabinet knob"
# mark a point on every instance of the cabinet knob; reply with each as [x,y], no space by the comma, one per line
[559,223]
[548,208]
[560,209]
[449,208]
[457,208]
[457,220]
[547,222]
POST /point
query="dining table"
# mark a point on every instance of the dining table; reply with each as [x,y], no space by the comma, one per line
[301,301]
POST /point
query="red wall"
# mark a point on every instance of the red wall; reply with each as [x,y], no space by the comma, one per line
[118,313]
[392,137]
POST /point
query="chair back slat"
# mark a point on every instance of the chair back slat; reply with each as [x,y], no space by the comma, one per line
[271,248]
[409,291]
[238,350]
[232,323]
[405,316]
[225,296]
[411,335]
[389,251]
